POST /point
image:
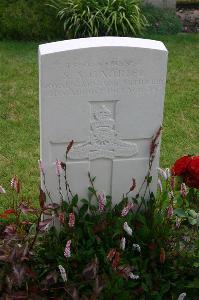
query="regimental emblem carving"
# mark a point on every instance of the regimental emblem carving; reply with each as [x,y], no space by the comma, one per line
[103,142]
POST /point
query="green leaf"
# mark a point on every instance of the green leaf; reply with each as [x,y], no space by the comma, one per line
[91,189]
[84,201]
[83,210]
[75,200]
[192,221]
[192,213]
[165,288]
[180,212]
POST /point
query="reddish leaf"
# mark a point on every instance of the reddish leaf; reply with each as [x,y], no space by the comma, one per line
[43,224]
[26,209]
[69,146]
[42,197]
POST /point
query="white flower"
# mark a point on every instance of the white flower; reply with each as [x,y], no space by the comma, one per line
[168,173]
[162,173]
[63,273]
[128,229]
[123,243]
[160,185]
[182,296]
[134,277]
[137,247]
[2,190]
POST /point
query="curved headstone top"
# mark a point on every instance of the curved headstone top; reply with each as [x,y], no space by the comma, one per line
[106,94]
[93,42]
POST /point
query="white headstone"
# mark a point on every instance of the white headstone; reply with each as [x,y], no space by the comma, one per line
[107,95]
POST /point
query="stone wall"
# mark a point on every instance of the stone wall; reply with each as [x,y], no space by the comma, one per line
[171,4]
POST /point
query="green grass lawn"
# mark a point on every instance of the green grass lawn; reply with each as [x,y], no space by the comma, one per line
[19,125]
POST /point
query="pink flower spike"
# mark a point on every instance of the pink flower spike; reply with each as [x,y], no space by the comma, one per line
[67,249]
[71,222]
[170,211]
[2,190]
[15,184]
[126,209]
[41,167]
[58,167]
[183,190]
[101,198]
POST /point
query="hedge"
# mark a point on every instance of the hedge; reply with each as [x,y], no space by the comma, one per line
[29,20]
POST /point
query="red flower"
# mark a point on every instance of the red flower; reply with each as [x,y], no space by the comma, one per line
[193,167]
[188,167]
[192,181]
[180,166]
[116,260]
[9,211]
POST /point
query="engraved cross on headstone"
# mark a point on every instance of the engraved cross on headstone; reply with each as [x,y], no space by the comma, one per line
[103,144]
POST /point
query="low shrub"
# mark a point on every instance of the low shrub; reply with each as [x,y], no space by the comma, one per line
[136,249]
[86,18]
[28,20]
[161,21]
[61,19]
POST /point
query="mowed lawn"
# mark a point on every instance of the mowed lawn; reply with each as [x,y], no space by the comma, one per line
[19,109]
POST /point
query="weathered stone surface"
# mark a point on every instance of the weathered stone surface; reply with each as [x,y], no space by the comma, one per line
[107,95]
[165,4]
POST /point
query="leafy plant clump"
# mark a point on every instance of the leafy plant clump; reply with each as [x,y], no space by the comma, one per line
[91,249]
[161,21]
[28,20]
[86,18]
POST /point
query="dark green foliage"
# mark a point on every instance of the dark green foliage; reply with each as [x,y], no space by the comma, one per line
[161,21]
[165,266]
[28,20]
[34,20]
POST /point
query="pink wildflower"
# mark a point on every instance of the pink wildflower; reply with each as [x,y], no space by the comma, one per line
[2,190]
[111,254]
[101,198]
[15,184]
[126,209]
[171,195]
[67,249]
[172,183]
[71,222]
[183,190]
[58,167]
[61,217]
[177,222]
[41,167]
[170,211]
